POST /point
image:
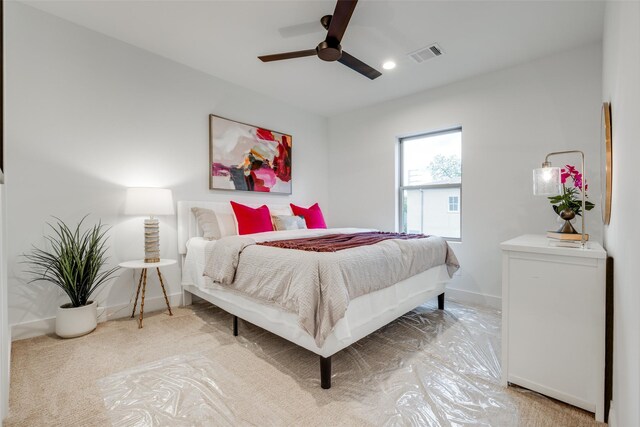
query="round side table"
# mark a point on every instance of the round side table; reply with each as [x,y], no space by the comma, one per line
[142,282]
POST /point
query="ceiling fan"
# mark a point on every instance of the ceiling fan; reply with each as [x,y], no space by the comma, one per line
[330,49]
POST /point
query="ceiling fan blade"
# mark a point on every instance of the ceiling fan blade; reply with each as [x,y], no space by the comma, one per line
[287,55]
[356,65]
[340,20]
[301,29]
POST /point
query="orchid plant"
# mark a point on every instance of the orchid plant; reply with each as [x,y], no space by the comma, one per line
[571,197]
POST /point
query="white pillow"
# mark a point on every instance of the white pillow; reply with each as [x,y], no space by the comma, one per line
[208,223]
[288,222]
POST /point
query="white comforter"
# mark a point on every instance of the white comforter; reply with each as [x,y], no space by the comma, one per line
[318,286]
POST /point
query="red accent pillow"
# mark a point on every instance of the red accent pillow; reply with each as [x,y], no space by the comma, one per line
[312,215]
[252,220]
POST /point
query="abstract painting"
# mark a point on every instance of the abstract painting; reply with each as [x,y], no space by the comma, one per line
[243,157]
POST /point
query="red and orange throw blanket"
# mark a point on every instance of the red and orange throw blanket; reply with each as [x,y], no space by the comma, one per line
[338,242]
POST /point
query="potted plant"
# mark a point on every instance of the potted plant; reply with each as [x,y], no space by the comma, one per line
[75,263]
[569,204]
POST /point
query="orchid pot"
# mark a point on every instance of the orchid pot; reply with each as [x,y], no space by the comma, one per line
[568,204]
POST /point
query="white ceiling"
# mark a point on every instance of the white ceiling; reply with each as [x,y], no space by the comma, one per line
[223,38]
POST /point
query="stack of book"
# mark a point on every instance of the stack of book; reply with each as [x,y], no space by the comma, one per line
[567,240]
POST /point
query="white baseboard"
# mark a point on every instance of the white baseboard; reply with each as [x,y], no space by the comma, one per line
[474,298]
[612,416]
[4,385]
[150,304]
[34,328]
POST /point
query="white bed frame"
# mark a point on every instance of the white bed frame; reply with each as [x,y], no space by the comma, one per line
[417,290]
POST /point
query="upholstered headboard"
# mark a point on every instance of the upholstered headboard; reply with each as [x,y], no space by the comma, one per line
[188,228]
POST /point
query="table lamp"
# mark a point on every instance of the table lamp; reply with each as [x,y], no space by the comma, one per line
[152,202]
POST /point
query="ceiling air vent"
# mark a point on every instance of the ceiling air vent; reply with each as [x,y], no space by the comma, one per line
[425,53]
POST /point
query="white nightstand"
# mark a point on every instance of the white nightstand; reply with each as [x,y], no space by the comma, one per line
[142,282]
[553,320]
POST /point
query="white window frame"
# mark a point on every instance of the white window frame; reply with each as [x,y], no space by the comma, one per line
[402,187]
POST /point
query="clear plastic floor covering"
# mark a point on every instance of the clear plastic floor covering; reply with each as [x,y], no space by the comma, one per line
[429,367]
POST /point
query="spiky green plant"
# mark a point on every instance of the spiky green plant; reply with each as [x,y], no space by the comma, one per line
[74,262]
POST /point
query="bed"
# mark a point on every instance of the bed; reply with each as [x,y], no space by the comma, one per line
[362,316]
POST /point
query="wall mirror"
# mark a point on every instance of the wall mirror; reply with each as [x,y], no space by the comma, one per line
[606,159]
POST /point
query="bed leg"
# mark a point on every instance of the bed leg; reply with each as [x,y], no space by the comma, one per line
[325,372]
[441,301]
[235,326]
[186,298]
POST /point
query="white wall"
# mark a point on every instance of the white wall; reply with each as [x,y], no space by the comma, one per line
[621,86]
[510,119]
[88,116]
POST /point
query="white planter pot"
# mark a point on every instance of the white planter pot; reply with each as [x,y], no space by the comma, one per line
[76,321]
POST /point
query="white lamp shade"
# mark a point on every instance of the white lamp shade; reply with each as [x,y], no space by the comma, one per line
[546,181]
[149,201]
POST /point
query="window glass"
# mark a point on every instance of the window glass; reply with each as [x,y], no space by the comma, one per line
[432,159]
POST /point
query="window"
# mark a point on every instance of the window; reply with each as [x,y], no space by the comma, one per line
[431,183]
[454,205]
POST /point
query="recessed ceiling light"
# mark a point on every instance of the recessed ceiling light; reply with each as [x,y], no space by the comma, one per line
[389,65]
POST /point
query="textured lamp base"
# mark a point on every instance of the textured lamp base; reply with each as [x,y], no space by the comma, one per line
[151,240]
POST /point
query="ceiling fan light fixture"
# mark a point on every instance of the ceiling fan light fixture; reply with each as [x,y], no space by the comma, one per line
[389,65]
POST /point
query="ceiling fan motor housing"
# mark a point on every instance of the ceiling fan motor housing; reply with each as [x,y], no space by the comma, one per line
[329,52]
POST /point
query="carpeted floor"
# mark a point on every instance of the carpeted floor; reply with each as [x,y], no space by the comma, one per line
[427,368]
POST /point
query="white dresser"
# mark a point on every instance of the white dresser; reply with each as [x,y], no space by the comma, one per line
[553,320]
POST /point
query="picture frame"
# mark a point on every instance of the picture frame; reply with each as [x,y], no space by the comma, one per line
[244,157]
